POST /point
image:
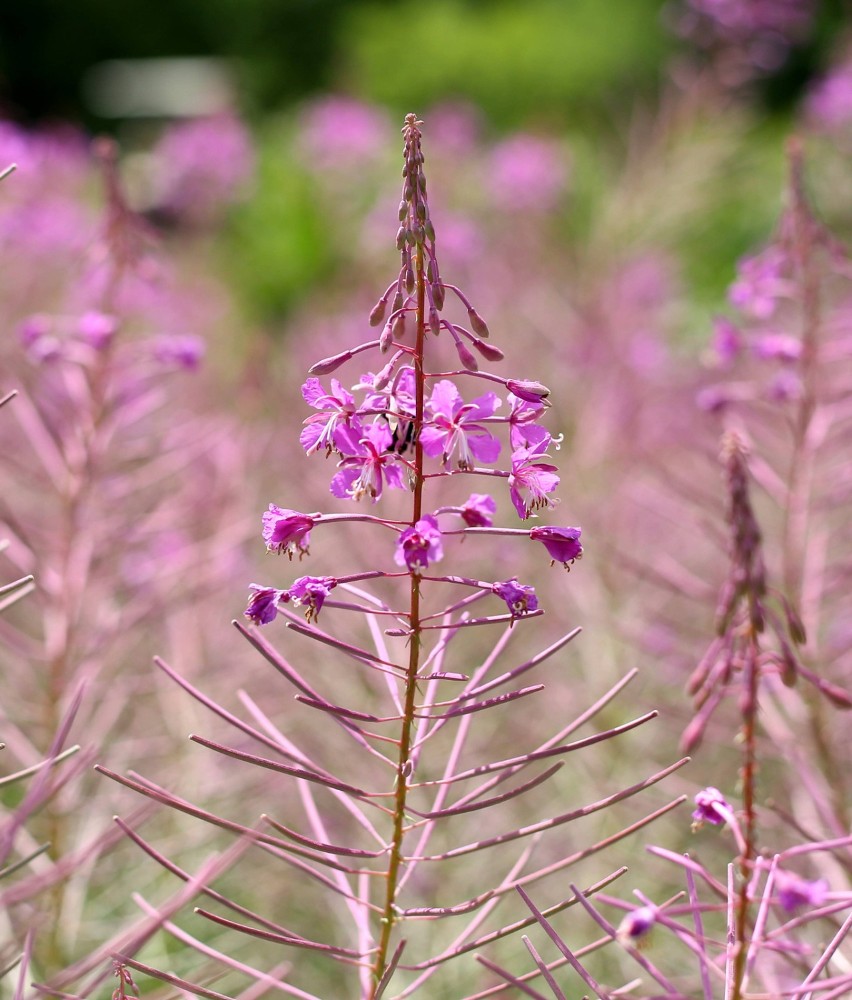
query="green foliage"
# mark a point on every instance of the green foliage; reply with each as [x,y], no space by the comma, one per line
[516,61]
[279,245]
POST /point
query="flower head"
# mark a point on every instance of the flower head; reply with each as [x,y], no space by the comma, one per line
[419,545]
[311,592]
[263,604]
[286,531]
[519,598]
[562,544]
[370,467]
[453,427]
[710,807]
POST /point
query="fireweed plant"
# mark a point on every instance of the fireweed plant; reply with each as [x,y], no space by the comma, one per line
[97,512]
[774,920]
[386,781]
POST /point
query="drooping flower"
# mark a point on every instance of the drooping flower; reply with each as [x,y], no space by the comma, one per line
[263,603]
[419,545]
[562,544]
[519,598]
[286,531]
[795,891]
[530,481]
[710,807]
[336,427]
[478,510]
[454,427]
[369,468]
[311,592]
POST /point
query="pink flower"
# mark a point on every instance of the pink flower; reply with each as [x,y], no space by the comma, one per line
[710,807]
[263,604]
[530,481]
[311,592]
[519,598]
[454,427]
[286,531]
[419,545]
[336,427]
[366,472]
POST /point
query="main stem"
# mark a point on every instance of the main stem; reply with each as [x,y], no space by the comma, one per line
[388,917]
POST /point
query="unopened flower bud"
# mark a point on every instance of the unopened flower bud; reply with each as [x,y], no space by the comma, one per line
[410,280]
[430,230]
[434,322]
[789,667]
[477,323]
[420,211]
[327,365]
[386,338]
[438,295]
[466,357]
[378,313]
[398,328]
[422,183]
[400,238]
[488,351]
[403,211]
[531,392]
[398,300]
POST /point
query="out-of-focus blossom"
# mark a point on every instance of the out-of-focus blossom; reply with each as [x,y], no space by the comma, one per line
[179,351]
[710,807]
[286,531]
[562,544]
[637,924]
[454,129]
[795,892]
[337,131]
[478,510]
[727,340]
[518,597]
[760,283]
[419,545]
[526,173]
[829,103]
[203,166]
[784,386]
[777,347]
[97,329]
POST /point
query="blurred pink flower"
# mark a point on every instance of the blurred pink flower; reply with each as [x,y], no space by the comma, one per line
[337,131]
[526,173]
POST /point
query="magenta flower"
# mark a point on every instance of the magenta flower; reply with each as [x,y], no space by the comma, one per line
[419,545]
[336,427]
[453,427]
[710,807]
[286,531]
[795,891]
[562,544]
[311,592]
[777,347]
[263,604]
[478,510]
[366,472]
[727,340]
[527,173]
[760,283]
[530,481]
[531,392]
[519,598]
[524,432]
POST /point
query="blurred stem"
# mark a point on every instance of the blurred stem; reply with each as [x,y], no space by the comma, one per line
[748,776]
[388,917]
